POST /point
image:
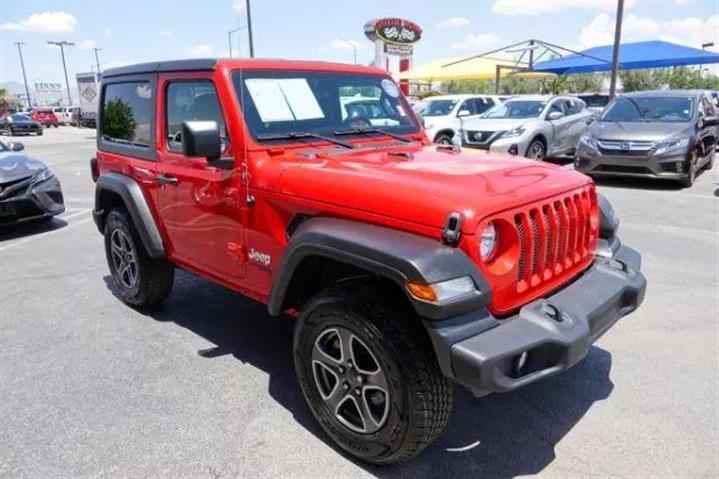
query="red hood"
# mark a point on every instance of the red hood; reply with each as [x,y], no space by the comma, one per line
[427,182]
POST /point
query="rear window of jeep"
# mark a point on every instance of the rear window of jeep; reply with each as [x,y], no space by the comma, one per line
[127,112]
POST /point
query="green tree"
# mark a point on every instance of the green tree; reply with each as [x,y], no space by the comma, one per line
[118,121]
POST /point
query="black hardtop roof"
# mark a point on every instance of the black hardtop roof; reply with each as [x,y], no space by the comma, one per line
[164,66]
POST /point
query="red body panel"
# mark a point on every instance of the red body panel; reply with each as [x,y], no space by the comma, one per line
[45,117]
[209,228]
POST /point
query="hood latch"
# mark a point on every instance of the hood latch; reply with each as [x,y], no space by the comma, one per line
[452,229]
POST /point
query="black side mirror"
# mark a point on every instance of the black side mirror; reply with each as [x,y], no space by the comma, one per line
[16,146]
[202,138]
[709,121]
[589,120]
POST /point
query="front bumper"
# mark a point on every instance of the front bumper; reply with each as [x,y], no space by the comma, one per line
[592,162]
[547,336]
[31,201]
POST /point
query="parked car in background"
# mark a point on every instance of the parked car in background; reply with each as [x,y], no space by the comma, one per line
[443,114]
[367,108]
[29,190]
[44,116]
[19,124]
[667,134]
[65,114]
[531,126]
[596,102]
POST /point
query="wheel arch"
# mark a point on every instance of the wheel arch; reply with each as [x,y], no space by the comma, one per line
[541,137]
[351,249]
[443,131]
[118,190]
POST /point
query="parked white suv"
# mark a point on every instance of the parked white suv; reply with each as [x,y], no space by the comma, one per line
[65,115]
[531,126]
[443,114]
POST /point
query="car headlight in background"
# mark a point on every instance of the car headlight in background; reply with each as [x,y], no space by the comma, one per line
[589,141]
[670,145]
[487,241]
[513,132]
[43,175]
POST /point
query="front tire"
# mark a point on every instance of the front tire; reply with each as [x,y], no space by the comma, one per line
[536,150]
[369,375]
[443,139]
[688,180]
[141,281]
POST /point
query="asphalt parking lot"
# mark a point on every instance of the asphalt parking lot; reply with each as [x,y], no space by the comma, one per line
[205,386]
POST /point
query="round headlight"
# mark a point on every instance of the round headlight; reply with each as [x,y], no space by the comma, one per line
[487,241]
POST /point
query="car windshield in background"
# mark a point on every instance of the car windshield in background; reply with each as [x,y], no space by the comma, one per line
[439,107]
[595,101]
[517,109]
[645,108]
[289,105]
[17,117]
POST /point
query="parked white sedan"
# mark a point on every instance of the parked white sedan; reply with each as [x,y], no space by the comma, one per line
[443,114]
[531,126]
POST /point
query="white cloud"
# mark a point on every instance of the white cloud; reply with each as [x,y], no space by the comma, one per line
[341,44]
[535,7]
[690,31]
[239,5]
[203,50]
[87,44]
[452,22]
[44,22]
[479,41]
[165,33]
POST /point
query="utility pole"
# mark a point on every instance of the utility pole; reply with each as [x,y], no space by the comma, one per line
[615,52]
[24,77]
[249,29]
[62,44]
[354,48]
[229,37]
[97,59]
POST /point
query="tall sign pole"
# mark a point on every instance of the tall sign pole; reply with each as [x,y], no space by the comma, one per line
[615,52]
[97,59]
[24,77]
[249,29]
[62,44]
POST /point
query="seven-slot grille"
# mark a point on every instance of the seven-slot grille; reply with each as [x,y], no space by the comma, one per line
[554,237]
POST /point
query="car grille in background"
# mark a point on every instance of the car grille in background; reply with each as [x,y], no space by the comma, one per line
[625,148]
[14,188]
[482,137]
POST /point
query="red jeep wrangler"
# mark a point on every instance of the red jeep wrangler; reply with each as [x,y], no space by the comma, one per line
[407,266]
[45,116]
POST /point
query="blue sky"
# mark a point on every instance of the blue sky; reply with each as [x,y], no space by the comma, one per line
[135,31]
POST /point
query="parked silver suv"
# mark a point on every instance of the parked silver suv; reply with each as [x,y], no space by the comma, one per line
[531,126]
[668,134]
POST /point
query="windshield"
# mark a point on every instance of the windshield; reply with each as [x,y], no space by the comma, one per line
[439,107]
[17,117]
[517,109]
[595,101]
[648,109]
[321,103]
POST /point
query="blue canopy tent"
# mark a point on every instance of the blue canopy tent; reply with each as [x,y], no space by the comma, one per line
[654,54]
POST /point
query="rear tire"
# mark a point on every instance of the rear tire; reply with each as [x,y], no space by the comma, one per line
[387,340]
[141,281]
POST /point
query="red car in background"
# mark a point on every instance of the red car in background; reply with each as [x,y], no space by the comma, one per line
[45,117]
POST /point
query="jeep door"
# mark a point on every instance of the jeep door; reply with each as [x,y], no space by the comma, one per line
[200,205]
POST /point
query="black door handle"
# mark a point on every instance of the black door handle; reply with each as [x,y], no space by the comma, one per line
[167,180]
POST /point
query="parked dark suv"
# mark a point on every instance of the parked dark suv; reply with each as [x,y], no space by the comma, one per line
[659,134]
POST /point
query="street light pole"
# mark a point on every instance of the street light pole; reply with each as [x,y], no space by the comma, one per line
[24,77]
[354,48]
[615,52]
[704,47]
[249,29]
[62,44]
[97,59]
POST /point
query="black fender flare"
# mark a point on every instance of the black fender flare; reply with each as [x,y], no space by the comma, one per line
[134,200]
[396,255]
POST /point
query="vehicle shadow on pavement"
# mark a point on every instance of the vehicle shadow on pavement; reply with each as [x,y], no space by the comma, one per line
[30,228]
[501,435]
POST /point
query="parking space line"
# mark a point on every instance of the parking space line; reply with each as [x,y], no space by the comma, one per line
[28,239]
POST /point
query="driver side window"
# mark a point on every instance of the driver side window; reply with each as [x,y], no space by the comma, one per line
[191,101]
[556,106]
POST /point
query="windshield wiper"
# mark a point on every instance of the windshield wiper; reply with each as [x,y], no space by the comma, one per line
[298,135]
[362,131]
